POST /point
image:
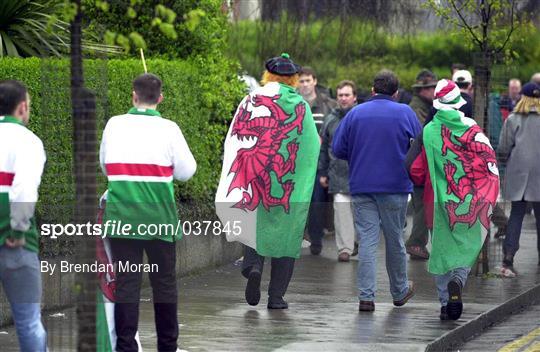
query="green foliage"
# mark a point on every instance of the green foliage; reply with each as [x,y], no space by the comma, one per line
[27,28]
[170,29]
[32,28]
[357,50]
[200,95]
[488,24]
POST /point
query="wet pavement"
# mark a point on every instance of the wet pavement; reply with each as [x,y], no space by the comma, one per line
[323,313]
[520,332]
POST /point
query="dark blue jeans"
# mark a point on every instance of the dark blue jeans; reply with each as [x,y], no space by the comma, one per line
[513,231]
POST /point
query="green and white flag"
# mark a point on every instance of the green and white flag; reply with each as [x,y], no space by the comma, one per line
[465,179]
[269,166]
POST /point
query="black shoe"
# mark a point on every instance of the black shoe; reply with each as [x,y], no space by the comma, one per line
[355,250]
[315,249]
[277,303]
[455,304]
[444,314]
[253,288]
[501,232]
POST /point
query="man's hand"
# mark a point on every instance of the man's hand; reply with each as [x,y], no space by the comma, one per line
[324,181]
[15,242]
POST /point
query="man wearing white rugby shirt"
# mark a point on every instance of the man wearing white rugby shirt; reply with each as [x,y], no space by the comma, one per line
[21,164]
[141,153]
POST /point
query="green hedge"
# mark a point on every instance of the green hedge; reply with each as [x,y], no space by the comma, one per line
[356,50]
[200,95]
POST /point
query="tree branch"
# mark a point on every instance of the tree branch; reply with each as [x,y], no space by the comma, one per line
[486,10]
[512,27]
[465,24]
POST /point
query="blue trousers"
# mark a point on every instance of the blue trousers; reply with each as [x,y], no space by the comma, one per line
[458,274]
[20,275]
[371,211]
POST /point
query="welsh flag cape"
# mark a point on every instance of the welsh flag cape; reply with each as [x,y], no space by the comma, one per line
[105,328]
[465,179]
[269,166]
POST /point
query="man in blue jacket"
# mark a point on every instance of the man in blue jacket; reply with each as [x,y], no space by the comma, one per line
[374,138]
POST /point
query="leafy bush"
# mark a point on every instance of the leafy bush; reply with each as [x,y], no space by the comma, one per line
[356,50]
[200,96]
[206,39]
[32,28]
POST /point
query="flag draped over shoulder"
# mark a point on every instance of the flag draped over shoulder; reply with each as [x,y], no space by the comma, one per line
[269,166]
[463,171]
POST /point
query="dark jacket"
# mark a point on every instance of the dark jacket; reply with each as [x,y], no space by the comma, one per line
[335,169]
[323,105]
[468,108]
[418,169]
[374,137]
[421,107]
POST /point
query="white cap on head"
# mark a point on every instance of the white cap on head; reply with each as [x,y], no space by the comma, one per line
[462,76]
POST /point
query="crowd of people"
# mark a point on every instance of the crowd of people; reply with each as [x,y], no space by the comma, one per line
[378,152]
[501,107]
[289,150]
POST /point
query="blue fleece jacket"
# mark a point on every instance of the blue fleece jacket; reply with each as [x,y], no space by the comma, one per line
[374,138]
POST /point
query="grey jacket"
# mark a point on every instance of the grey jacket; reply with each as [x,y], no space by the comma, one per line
[335,169]
[519,149]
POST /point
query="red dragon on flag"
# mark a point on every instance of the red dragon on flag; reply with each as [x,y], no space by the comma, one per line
[480,180]
[252,166]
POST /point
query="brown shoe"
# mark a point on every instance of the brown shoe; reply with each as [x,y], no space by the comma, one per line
[417,252]
[343,257]
[407,297]
[366,306]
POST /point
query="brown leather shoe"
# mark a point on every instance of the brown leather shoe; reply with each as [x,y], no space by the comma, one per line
[343,257]
[408,296]
[417,252]
[366,306]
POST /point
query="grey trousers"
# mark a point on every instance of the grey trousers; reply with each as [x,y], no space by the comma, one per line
[419,233]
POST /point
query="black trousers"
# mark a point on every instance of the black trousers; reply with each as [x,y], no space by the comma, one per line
[280,276]
[128,289]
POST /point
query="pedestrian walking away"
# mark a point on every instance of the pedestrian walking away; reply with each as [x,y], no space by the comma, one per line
[141,153]
[256,170]
[334,173]
[321,105]
[422,105]
[22,159]
[374,138]
[453,159]
[519,150]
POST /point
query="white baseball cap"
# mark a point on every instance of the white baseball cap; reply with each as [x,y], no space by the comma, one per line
[462,76]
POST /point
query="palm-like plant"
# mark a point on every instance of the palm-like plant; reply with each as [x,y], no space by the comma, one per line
[31,28]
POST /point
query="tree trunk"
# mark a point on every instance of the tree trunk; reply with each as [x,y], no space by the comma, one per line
[482,78]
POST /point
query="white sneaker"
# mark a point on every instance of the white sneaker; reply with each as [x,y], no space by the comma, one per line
[508,272]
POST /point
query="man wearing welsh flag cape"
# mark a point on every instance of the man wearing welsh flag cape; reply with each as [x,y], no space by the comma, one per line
[455,162]
[269,165]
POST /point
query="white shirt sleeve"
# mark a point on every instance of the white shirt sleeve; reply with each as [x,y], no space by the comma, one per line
[23,195]
[102,148]
[183,162]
